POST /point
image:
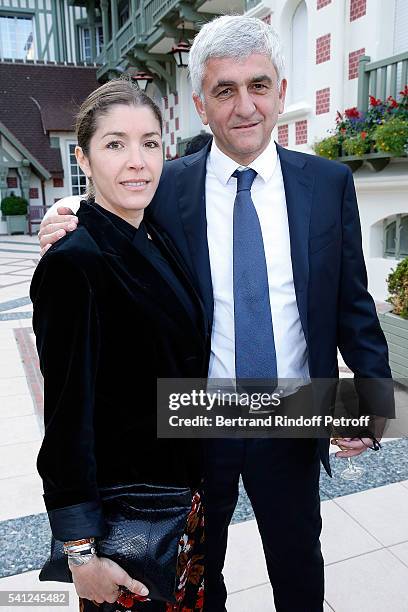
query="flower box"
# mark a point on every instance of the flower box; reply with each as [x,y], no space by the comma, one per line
[374,136]
[375,161]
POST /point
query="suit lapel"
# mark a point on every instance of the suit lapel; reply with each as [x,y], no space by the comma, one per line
[299,194]
[191,201]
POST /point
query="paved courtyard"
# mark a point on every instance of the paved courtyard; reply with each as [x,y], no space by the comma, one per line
[365,524]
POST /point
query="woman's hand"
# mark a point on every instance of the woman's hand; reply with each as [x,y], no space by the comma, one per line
[100,578]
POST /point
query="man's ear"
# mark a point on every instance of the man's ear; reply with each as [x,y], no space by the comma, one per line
[83,162]
[282,94]
[200,108]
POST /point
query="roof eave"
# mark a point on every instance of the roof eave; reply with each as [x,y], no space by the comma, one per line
[25,152]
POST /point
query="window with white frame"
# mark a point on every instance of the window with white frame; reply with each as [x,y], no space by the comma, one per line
[77,177]
[396,236]
[17,40]
[298,55]
[86,51]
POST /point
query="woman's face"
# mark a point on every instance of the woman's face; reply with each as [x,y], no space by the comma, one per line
[125,160]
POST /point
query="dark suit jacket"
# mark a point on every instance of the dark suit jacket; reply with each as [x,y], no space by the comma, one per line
[329,272]
[107,325]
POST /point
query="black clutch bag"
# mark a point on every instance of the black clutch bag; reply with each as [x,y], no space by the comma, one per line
[145,523]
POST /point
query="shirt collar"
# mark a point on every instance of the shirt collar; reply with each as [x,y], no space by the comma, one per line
[223,166]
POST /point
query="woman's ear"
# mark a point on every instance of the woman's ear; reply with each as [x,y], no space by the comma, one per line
[83,162]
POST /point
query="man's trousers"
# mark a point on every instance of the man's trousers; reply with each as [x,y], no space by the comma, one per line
[281,478]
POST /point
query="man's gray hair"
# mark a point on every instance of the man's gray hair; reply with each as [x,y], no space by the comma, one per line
[234,36]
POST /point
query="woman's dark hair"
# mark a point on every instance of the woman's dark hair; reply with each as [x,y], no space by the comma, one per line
[117,91]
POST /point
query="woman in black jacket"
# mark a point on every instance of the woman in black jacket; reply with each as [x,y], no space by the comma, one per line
[133,317]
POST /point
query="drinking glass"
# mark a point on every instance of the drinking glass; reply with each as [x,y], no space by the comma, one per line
[352,471]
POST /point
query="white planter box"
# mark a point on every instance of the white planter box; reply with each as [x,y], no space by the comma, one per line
[395,329]
[16,224]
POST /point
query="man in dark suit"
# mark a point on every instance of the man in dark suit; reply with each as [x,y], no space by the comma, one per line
[273,240]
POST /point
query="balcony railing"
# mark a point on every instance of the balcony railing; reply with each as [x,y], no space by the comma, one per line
[144,25]
[126,38]
[381,79]
[141,24]
[155,10]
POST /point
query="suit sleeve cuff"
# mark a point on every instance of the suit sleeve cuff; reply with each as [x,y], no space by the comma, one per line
[76,522]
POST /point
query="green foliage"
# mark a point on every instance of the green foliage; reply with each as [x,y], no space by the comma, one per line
[384,127]
[357,145]
[14,205]
[328,147]
[392,136]
[398,289]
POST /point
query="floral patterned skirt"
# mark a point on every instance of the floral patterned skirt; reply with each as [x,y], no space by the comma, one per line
[190,574]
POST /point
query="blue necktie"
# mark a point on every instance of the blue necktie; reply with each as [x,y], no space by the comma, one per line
[255,355]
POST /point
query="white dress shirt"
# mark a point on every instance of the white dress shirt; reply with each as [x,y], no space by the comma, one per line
[268,195]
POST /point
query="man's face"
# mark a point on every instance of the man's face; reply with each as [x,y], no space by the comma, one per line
[241,102]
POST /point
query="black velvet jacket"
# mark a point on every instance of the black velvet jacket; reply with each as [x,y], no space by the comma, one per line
[107,325]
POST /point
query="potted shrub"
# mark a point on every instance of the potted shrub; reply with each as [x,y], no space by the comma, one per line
[14,208]
[395,323]
[398,289]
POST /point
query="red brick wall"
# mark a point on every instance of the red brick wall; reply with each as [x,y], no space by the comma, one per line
[358,8]
[322,3]
[323,101]
[301,132]
[283,135]
[354,56]
[323,48]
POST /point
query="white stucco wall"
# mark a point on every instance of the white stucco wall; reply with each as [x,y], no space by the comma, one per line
[380,195]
